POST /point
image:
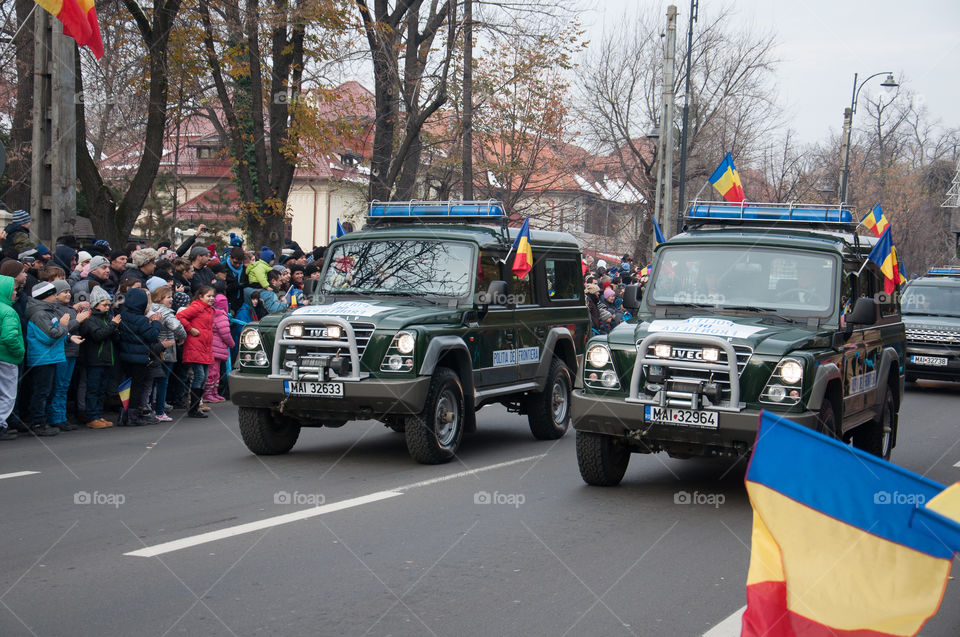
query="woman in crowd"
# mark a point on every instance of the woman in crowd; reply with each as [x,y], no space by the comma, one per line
[139,338]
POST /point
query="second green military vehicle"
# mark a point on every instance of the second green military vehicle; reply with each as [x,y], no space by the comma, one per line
[418,321]
[756,307]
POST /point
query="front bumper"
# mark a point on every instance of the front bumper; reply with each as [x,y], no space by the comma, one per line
[735,432]
[365,398]
[949,372]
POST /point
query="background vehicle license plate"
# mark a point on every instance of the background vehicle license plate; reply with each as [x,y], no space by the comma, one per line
[309,388]
[681,417]
[936,361]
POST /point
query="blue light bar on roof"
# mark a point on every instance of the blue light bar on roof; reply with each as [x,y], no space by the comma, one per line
[950,270]
[433,209]
[769,212]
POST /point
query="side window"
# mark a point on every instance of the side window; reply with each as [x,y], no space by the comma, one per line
[488,270]
[522,289]
[564,280]
[848,290]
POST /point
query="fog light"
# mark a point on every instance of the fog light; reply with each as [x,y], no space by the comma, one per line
[655,375]
[295,331]
[711,354]
[662,350]
[609,378]
[778,393]
[333,331]
[260,358]
[395,363]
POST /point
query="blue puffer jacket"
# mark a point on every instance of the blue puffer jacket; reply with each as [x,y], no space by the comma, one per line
[138,335]
[45,334]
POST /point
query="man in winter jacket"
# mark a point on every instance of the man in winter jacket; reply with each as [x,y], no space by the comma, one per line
[46,332]
[18,235]
[269,295]
[257,273]
[11,354]
[98,353]
[202,275]
[139,339]
[98,276]
[236,278]
[118,265]
[66,258]
[145,262]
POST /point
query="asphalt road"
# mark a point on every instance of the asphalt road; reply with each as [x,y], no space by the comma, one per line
[507,541]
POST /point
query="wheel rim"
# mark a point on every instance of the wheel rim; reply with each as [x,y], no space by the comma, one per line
[447,418]
[886,432]
[559,401]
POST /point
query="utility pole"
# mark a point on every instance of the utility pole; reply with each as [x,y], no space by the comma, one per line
[681,203]
[53,175]
[468,100]
[666,127]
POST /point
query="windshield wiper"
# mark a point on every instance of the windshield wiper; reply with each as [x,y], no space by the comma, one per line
[693,305]
[770,311]
[930,314]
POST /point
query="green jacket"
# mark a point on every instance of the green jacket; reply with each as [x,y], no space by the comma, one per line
[257,273]
[11,336]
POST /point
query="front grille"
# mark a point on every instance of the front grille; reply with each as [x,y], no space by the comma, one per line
[933,337]
[362,332]
[679,372]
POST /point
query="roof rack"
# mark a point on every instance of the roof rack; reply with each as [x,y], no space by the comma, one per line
[766,215]
[437,211]
[947,270]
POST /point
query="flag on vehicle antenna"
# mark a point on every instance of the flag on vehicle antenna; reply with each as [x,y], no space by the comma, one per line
[523,260]
[79,18]
[885,258]
[875,222]
[340,230]
[844,543]
[657,232]
[726,180]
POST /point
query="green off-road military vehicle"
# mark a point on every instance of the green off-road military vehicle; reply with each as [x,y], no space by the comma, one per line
[931,314]
[418,321]
[761,306]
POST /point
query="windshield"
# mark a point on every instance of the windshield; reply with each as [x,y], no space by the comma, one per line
[400,266]
[932,300]
[757,279]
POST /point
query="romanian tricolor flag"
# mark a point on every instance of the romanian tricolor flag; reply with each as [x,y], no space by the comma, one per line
[79,18]
[123,390]
[844,544]
[523,260]
[727,181]
[885,257]
[877,223]
[657,232]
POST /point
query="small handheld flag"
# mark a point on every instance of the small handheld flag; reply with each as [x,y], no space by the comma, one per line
[123,390]
[657,232]
[79,18]
[523,260]
[726,180]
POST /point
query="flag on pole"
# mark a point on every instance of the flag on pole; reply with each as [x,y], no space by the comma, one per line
[340,230]
[875,222]
[726,180]
[657,232]
[523,260]
[79,18]
[844,543]
[884,256]
[123,390]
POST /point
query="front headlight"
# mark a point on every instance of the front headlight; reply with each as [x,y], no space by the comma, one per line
[598,356]
[405,342]
[250,339]
[791,372]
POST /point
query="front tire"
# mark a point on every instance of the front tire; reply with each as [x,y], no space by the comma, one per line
[549,411]
[433,436]
[827,419]
[876,436]
[602,459]
[266,435]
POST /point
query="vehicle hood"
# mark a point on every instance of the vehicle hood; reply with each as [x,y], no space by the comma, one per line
[921,322]
[760,333]
[386,313]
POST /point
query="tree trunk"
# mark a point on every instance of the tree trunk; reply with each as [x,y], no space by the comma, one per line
[20,154]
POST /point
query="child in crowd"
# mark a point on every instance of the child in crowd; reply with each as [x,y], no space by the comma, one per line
[171,333]
[222,342]
[57,409]
[46,332]
[197,319]
[99,355]
[11,353]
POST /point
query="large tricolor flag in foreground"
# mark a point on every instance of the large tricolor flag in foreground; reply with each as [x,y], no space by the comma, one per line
[79,18]
[523,260]
[726,180]
[844,544]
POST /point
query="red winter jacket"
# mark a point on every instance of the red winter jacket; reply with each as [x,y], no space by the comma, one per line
[198,349]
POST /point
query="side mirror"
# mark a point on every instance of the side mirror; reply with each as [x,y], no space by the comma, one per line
[496,294]
[631,298]
[864,312]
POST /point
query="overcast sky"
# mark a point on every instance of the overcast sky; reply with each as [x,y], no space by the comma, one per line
[822,43]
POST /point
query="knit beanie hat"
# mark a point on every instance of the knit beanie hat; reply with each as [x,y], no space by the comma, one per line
[155,282]
[21,217]
[144,256]
[11,268]
[98,295]
[42,250]
[61,285]
[198,251]
[235,239]
[98,261]
[266,254]
[83,256]
[608,294]
[43,290]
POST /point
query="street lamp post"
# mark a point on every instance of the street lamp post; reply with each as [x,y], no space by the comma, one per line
[888,82]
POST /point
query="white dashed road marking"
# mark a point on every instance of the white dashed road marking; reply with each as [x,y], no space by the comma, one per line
[18,474]
[729,627]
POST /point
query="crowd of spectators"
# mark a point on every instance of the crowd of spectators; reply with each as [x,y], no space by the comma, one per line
[603,288]
[150,326]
